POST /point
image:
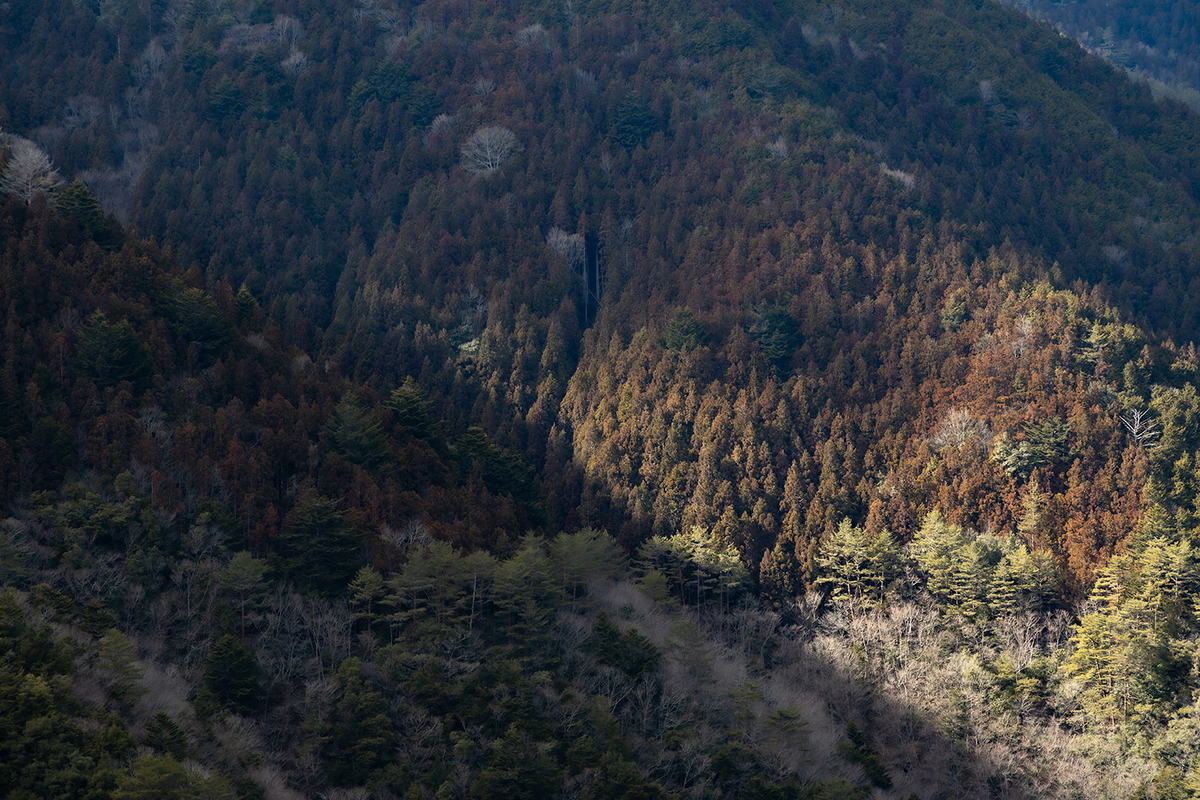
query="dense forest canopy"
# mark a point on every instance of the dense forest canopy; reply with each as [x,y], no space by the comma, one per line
[620,399]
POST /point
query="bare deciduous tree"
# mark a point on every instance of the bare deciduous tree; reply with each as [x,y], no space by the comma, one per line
[391,20]
[961,428]
[296,62]
[568,245]
[529,33]
[585,80]
[1022,332]
[288,30]
[413,533]
[152,63]
[906,178]
[28,171]
[488,148]
[81,110]
[1143,431]
[439,128]
[987,93]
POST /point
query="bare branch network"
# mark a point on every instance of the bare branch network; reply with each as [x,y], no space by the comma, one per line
[28,171]
[1140,428]
[488,148]
[568,245]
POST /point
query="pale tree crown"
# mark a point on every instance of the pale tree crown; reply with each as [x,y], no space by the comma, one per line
[27,170]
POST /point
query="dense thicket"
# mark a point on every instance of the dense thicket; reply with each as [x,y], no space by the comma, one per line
[785,299]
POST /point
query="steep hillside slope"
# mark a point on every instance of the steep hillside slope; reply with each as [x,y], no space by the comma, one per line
[1157,42]
[893,304]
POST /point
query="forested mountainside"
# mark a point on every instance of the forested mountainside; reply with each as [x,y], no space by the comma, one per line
[1157,42]
[593,400]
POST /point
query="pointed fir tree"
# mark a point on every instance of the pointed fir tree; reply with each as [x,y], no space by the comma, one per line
[109,353]
[684,332]
[355,435]
[776,334]
[164,735]
[366,590]
[320,550]
[78,202]
[194,316]
[118,669]
[246,307]
[411,410]
[244,577]
[361,738]
[232,675]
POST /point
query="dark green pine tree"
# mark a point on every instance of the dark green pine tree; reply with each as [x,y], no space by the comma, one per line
[248,310]
[776,334]
[231,673]
[503,472]
[96,618]
[355,435]
[109,354]
[634,121]
[684,332]
[194,315]
[517,768]
[164,735]
[857,750]
[361,738]
[630,652]
[411,408]
[78,201]
[224,99]
[1048,439]
[523,595]
[620,780]
[320,550]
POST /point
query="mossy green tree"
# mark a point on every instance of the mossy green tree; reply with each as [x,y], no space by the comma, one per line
[698,569]
[525,594]
[980,575]
[77,201]
[360,738]
[356,435]
[109,353]
[118,669]
[437,588]
[858,568]
[411,409]
[194,317]
[634,122]
[246,307]
[320,548]
[585,556]
[684,332]
[231,674]
[244,576]
[776,334]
